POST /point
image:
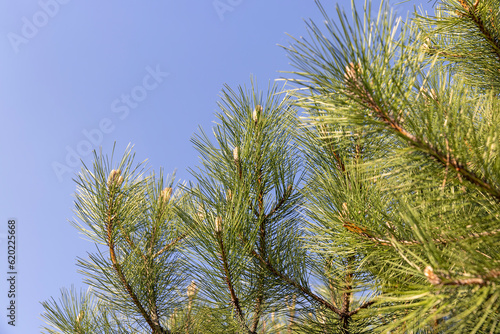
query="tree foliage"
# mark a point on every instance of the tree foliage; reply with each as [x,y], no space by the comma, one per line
[377,210]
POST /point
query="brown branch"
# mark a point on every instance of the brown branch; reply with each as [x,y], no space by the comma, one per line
[385,242]
[258,307]
[446,280]
[296,285]
[363,306]
[227,276]
[278,205]
[170,245]
[290,281]
[346,297]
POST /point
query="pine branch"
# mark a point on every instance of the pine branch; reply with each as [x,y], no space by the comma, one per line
[258,306]
[357,87]
[306,291]
[340,163]
[278,205]
[262,246]
[228,278]
[363,306]
[481,280]
[113,183]
[170,245]
[470,12]
[346,297]
[385,242]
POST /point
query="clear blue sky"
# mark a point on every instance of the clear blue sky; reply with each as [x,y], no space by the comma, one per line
[66,69]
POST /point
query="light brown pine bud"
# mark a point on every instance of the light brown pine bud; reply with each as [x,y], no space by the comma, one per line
[218,224]
[229,195]
[256,113]
[114,178]
[236,154]
[192,289]
[166,194]
[433,278]
[351,72]
[79,317]
[344,207]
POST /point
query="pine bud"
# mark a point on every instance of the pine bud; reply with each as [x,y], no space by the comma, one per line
[236,154]
[433,94]
[256,113]
[114,178]
[229,195]
[344,207]
[351,72]
[433,278]
[218,224]
[192,289]
[427,44]
[79,317]
[165,194]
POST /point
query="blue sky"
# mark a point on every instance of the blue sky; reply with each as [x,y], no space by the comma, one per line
[78,75]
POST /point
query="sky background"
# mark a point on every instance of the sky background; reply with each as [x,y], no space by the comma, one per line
[66,67]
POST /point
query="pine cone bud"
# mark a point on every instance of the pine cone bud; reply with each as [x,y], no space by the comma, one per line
[114,178]
[229,195]
[427,44]
[256,113]
[236,153]
[166,194]
[218,224]
[351,72]
[433,278]
[192,289]
[79,317]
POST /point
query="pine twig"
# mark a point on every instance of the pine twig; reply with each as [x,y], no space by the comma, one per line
[354,82]
[110,225]
[227,276]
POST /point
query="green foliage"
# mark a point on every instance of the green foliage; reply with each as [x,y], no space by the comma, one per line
[423,187]
[245,209]
[377,211]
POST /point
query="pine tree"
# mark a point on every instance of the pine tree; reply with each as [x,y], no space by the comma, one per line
[377,211]
[403,141]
